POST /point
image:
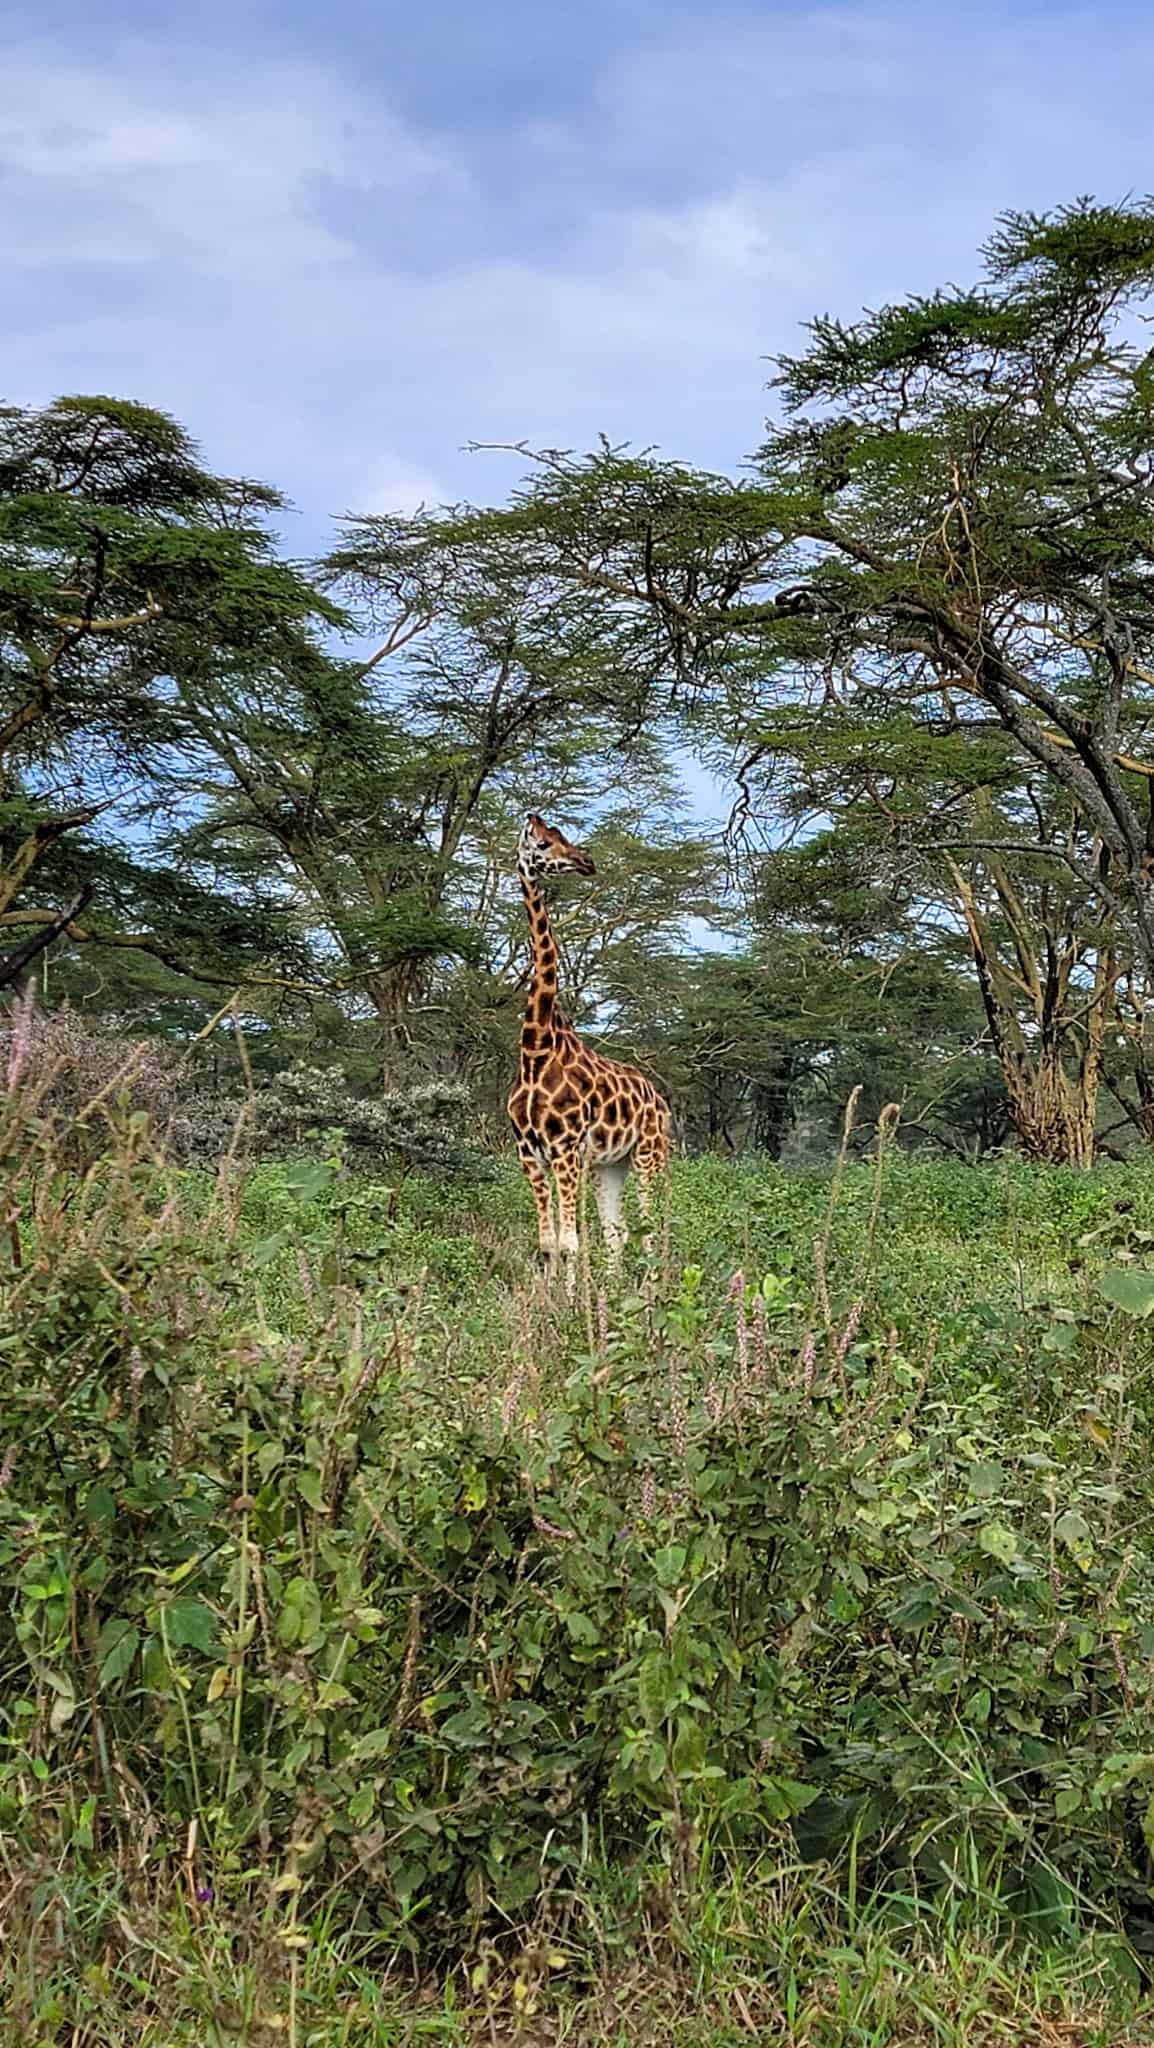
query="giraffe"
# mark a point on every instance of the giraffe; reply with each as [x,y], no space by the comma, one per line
[571,1108]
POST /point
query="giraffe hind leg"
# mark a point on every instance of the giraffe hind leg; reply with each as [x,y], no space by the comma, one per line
[608,1176]
[542,1191]
[650,1160]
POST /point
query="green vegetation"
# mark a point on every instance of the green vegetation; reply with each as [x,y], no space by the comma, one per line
[759,1647]
[916,640]
[393,1654]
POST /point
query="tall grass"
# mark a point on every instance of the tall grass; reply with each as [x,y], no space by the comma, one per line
[389,1651]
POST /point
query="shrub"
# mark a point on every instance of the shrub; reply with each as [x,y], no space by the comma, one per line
[736,1568]
[86,1080]
[420,1126]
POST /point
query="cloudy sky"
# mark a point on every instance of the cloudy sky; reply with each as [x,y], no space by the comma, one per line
[339,242]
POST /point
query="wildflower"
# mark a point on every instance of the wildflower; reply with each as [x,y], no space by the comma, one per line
[850,1331]
[679,1420]
[512,1399]
[758,1335]
[742,1336]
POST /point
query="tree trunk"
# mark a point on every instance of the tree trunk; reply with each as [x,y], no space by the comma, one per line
[1052,1072]
[770,1114]
[1054,1115]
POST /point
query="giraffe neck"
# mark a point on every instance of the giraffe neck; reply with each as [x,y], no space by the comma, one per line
[543,1020]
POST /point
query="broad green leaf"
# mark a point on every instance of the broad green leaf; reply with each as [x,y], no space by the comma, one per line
[582,1628]
[377,1742]
[1073,1530]
[190,1625]
[1061,1339]
[468,1728]
[265,1250]
[999,1541]
[116,1646]
[300,1615]
[670,1563]
[99,1506]
[308,1178]
[918,1608]
[309,1488]
[1129,1288]
[986,1479]
[269,1456]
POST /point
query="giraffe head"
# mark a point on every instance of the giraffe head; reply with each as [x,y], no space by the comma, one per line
[542,850]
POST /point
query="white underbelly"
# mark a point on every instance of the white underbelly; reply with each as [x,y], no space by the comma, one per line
[605,1145]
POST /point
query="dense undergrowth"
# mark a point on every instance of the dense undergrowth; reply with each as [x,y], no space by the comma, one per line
[761,1647]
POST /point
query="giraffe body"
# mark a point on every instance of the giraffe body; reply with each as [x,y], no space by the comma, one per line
[572,1109]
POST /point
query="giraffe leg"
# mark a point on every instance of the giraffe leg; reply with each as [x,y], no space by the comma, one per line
[538,1181]
[567,1174]
[650,1159]
[608,1177]
[646,1180]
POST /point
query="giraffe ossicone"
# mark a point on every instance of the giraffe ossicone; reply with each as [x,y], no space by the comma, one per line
[572,1109]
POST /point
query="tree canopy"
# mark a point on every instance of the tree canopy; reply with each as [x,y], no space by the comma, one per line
[917,636]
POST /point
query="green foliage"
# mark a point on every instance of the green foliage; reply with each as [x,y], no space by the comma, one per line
[931,610]
[418,1127]
[760,1563]
[131,580]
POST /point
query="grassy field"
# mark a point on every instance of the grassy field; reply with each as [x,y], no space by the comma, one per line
[760,1648]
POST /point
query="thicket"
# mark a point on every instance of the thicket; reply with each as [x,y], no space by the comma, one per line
[82,1079]
[324,1591]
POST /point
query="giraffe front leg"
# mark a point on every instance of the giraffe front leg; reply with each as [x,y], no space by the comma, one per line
[538,1181]
[567,1174]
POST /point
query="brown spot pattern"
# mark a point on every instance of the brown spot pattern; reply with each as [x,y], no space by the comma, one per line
[570,1105]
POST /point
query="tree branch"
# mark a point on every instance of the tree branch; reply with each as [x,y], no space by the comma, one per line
[41,940]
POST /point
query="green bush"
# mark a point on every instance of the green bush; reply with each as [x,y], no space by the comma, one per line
[395,1606]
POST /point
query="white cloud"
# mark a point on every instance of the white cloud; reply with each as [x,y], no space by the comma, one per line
[337,301]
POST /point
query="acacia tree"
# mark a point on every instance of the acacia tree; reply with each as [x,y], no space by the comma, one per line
[193,783]
[926,825]
[394,792]
[125,569]
[949,530]
[295,781]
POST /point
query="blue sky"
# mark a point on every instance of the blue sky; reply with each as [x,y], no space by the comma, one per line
[340,242]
